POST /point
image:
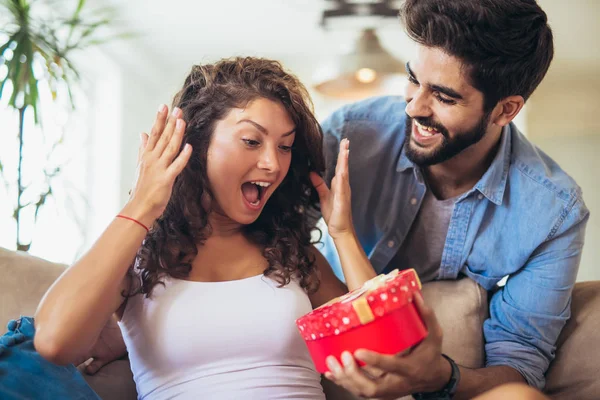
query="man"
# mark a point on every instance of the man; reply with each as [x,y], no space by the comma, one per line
[443,182]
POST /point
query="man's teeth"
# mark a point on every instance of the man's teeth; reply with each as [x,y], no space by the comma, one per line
[263,184]
[426,129]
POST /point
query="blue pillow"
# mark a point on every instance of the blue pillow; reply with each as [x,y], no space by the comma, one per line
[24,374]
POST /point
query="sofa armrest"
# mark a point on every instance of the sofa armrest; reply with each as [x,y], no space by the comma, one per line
[575,372]
[25,279]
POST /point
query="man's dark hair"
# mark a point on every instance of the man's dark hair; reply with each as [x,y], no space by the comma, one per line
[506,45]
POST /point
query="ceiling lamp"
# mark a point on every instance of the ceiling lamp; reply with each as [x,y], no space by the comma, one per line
[365,71]
[368,69]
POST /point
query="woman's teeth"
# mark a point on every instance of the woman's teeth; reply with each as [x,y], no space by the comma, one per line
[263,184]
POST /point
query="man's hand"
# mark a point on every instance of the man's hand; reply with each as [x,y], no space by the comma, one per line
[109,347]
[422,369]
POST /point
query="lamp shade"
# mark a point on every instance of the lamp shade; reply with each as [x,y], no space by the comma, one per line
[366,71]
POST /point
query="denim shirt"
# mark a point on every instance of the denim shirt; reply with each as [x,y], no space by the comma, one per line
[525,218]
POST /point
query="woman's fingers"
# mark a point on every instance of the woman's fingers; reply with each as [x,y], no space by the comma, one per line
[320,187]
[165,136]
[180,162]
[158,127]
[174,143]
[342,183]
[143,144]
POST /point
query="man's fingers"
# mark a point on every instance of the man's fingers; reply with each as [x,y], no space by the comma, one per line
[387,363]
[356,378]
[373,372]
[158,127]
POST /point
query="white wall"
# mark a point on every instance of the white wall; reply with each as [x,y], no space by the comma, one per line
[562,119]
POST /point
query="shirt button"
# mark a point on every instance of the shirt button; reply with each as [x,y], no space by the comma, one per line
[390,243]
[413,201]
[480,196]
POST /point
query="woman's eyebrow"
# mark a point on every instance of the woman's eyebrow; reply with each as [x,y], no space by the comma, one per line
[262,128]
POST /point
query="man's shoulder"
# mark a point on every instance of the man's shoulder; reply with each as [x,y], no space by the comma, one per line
[540,176]
[373,109]
[381,108]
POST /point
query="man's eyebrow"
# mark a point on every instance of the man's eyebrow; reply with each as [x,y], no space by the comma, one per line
[262,128]
[438,88]
[447,91]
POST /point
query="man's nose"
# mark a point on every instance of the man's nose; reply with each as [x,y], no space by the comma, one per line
[418,103]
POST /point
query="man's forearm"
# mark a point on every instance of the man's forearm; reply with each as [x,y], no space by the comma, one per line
[476,381]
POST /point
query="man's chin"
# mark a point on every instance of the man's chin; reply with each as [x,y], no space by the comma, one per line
[420,156]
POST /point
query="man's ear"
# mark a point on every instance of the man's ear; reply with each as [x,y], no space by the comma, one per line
[507,109]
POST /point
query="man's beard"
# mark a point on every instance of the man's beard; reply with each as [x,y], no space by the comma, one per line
[449,147]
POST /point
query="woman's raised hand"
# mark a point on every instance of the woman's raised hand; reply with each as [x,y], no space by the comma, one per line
[159,163]
[336,202]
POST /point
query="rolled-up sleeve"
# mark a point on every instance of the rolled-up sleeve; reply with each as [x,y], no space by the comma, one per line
[529,312]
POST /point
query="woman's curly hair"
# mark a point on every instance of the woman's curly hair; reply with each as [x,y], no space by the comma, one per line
[283,228]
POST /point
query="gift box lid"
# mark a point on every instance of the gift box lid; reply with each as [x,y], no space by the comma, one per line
[375,298]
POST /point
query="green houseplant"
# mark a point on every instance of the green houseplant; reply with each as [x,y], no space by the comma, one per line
[36,47]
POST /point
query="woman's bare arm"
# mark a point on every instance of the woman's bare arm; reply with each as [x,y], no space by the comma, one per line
[77,306]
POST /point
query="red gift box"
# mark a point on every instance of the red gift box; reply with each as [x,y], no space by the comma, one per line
[379,316]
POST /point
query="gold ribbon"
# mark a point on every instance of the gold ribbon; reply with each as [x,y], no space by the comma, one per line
[358,297]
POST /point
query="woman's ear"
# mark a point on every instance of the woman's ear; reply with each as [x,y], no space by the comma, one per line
[507,109]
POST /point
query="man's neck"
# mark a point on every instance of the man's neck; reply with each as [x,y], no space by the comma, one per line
[459,174]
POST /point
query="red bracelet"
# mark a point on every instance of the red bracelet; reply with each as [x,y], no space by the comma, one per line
[134,220]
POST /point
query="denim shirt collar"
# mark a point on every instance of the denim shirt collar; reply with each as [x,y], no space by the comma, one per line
[493,183]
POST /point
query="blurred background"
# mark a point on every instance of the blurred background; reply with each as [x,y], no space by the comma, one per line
[78,159]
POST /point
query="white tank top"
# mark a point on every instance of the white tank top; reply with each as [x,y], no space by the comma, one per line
[220,340]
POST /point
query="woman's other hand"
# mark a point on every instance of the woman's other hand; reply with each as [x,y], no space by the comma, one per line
[336,202]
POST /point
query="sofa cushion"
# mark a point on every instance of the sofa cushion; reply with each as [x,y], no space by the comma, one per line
[575,372]
[24,281]
[461,307]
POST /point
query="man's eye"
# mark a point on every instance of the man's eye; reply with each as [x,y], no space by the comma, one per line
[444,100]
[250,142]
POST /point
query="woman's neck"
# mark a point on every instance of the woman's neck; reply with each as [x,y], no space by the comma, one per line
[227,254]
[223,226]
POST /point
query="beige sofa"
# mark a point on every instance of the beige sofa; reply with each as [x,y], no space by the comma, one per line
[461,307]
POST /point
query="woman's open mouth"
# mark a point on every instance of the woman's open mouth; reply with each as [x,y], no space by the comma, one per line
[254,192]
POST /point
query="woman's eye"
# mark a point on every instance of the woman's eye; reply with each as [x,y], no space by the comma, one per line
[286,149]
[412,80]
[250,142]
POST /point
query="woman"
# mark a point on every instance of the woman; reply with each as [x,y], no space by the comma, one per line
[210,262]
